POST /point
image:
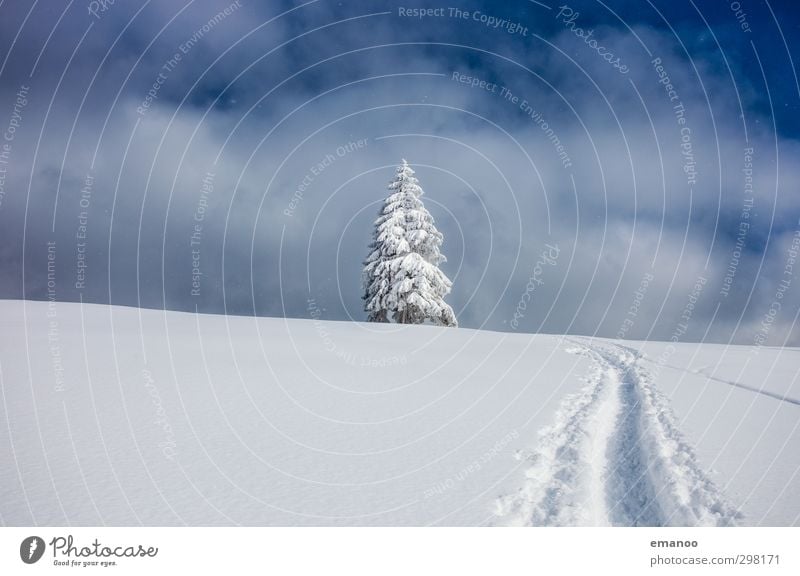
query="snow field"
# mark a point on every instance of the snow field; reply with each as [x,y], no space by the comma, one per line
[120,416]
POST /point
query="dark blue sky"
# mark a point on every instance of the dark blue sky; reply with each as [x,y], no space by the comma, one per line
[231,157]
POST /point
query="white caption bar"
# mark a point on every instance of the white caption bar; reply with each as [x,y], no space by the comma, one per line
[400,551]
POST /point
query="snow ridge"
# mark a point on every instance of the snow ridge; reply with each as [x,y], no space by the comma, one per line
[615,457]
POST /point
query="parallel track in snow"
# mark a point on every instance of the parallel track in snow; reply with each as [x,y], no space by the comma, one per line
[615,457]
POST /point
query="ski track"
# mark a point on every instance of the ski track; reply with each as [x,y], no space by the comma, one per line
[614,457]
[782,397]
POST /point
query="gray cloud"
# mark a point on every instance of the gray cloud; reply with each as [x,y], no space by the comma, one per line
[493,176]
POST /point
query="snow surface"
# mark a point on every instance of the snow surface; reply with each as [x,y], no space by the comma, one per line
[123,416]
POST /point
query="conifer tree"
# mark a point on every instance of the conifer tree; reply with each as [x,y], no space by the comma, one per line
[401,279]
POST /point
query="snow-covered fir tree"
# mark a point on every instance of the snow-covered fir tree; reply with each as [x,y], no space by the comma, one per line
[402,281]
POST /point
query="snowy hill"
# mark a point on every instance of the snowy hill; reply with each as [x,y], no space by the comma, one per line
[123,416]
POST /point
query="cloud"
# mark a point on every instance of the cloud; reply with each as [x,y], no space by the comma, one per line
[281,149]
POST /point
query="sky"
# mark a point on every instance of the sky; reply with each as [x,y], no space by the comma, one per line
[626,169]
